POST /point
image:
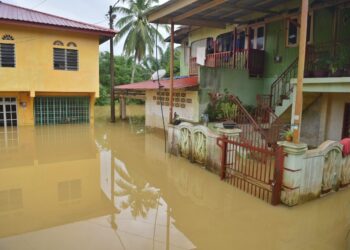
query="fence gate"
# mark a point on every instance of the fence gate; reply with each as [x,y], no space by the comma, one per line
[256,170]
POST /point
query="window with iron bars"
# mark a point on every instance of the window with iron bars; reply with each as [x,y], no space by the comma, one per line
[7,55]
[65,59]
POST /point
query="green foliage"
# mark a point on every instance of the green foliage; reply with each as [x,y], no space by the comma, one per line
[123,69]
[227,110]
[139,34]
[221,107]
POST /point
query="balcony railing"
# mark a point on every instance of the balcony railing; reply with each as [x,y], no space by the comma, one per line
[193,69]
[252,60]
[328,59]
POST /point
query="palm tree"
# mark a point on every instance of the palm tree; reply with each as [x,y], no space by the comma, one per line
[139,196]
[140,35]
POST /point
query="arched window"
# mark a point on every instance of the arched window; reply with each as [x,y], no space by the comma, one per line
[58,43]
[71,44]
[7,37]
[7,52]
[65,58]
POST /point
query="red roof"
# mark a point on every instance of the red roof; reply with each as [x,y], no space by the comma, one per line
[179,83]
[15,14]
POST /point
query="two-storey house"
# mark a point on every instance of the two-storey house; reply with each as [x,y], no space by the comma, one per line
[251,49]
[48,67]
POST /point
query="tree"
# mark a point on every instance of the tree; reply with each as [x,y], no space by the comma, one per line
[123,70]
[140,35]
[150,62]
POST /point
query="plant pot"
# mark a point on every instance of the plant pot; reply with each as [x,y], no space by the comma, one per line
[289,138]
[338,73]
[321,73]
[229,124]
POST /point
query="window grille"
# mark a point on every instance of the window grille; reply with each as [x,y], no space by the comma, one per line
[61,110]
[7,37]
[65,59]
[58,43]
[7,55]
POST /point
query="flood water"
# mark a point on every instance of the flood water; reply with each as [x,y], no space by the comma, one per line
[110,186]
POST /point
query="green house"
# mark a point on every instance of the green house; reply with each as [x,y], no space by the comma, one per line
[251,49]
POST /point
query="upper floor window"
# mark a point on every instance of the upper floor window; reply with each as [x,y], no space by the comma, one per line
[257,37]
[7,51]
[293,29]
[65,58]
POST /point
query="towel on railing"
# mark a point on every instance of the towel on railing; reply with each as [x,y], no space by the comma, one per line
[201,55]
[346,146]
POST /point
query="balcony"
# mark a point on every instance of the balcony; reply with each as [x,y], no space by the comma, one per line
[328,60]
[245,59]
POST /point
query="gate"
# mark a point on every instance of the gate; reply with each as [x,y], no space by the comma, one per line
[257,170]
[61,110]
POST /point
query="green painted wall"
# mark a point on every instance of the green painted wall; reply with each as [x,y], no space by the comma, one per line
[236,81]
[275,45]
[203,33]
[239,83]
[184,68]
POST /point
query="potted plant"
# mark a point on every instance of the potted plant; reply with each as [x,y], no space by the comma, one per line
[336,67]
[287,135]
[228,113]
[321,67]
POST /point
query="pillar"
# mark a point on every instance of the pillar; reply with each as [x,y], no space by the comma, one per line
[292,170]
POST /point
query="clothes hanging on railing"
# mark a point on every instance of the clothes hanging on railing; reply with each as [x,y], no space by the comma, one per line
[201,55]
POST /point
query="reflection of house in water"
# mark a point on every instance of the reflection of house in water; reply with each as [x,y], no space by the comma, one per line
[56,184]
[49,176]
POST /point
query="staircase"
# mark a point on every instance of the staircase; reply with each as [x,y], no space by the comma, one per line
[263,125]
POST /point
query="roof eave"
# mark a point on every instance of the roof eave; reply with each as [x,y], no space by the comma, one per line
[104,35]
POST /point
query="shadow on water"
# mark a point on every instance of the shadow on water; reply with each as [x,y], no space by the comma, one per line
[110,186]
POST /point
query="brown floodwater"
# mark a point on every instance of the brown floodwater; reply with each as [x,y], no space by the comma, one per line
[110,186]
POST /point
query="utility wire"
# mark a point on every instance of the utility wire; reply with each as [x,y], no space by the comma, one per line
[37,5]
[159,87]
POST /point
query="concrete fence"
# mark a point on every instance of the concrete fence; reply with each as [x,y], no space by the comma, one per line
[196,143]
[309,174]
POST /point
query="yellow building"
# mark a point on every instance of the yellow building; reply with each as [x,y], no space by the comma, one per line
[48,67]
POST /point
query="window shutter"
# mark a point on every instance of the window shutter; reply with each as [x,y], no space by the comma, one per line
[72,59]
[7,55]
[59,58]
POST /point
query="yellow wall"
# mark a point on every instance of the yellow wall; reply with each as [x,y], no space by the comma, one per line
[34,62]
[34,71]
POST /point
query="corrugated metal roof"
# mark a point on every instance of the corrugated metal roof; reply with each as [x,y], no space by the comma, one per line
[180,83]
[220,14]
[13,13]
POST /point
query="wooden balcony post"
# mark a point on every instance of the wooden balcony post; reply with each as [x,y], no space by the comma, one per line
[301,67]
[234,48]
[171,73]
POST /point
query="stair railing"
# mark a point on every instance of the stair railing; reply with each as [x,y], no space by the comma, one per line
[282,88]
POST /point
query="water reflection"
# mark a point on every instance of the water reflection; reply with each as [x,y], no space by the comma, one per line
[111,187]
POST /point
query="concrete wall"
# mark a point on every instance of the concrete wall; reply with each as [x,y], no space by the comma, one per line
[335,115]
[323,119]
[153,114]
[34,62]
[236,82]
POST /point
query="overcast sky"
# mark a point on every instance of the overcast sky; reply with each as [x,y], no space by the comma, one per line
[90,11]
